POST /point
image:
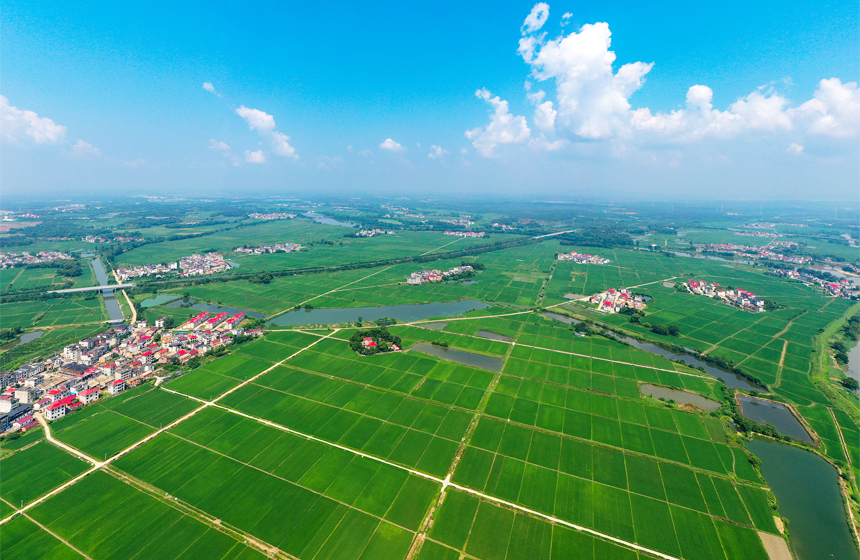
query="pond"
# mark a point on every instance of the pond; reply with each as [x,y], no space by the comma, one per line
[461,357]
[562,318]
[495,336]
[25,338]
[159,300]
[807,492]
[679,396]
[406,313]
[777,415]
[468,282]
[434,326]
[320,219]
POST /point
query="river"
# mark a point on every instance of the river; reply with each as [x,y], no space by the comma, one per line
[729,378]
[111,304]
[807,491]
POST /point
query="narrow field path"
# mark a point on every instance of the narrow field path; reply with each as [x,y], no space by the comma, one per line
[59,538]
[270,317]
[441,246]
[781,364]
[841,437]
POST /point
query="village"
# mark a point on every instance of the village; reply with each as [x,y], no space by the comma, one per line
[276,248]
[752,252]
[373,232]
[582,258]
[107,364]
[615,301]
[11,259]
[466,233]
[272,216]
[422,276]
[739,298]
[843,288]
[115,239]
[194,265]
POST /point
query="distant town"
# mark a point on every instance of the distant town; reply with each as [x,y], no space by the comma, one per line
[194,265]
[615,301]
[423,276]
[736,297]
[272,216]
[466,233]
[582,258]
[11,259]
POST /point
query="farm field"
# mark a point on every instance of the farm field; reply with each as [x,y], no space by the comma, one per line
[27,279]
[304,232]
[63,311]
[524,440]
[106,427]
[52,338]
[24,539]
[86,516]
[31,472]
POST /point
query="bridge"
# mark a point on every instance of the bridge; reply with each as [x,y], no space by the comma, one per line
[93,288]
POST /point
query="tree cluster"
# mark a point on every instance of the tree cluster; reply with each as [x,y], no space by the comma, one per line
[384,340]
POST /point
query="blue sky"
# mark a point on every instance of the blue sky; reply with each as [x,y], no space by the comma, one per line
[519,98]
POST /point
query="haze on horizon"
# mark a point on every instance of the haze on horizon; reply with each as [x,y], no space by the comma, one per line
[565,99]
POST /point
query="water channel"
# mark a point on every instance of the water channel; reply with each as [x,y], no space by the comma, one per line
[729,378]
[683,397]
[807,491]
[465,358]
[111,304]
[406,313]
[776,414]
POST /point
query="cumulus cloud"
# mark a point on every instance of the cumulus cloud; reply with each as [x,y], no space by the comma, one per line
[83,149]
[20,125]
[795,149]
[436,152]
[592,97]
[536,18]
[257,120]
[255,157]
[210,88]
[834,109]
[281,147]
[226,151]
[392,146]
[217,145]
[504,128]
[264,123]
[592,100]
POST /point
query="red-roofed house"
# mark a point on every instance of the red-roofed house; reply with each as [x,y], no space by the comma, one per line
[117,386]
[55,411]
[88,396]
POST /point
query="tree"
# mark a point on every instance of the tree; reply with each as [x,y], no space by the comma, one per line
[850,383]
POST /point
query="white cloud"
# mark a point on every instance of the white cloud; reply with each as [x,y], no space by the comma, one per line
[281,147]
[536,18]
[257,120]
[210,88]
[566,16]
[592,98]
[545,117]
[795,149]
[83,149]
[834,109]
[436,152]
[541,143]
[464,151]
[255,157]
[392,146]
[217,145]
[365,153]
[20,125]
[504,128]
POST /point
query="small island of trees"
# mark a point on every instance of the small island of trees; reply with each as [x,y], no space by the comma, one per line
[368,342]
